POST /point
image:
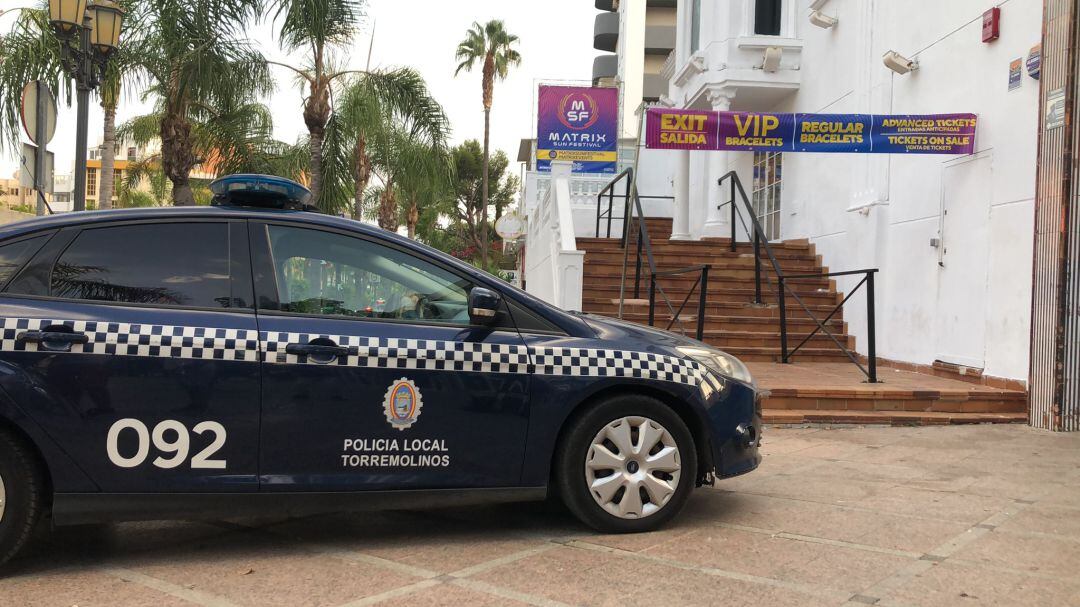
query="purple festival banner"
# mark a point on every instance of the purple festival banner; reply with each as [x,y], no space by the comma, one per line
[669,129]
[579,125]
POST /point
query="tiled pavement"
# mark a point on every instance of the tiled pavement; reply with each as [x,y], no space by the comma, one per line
[943,516]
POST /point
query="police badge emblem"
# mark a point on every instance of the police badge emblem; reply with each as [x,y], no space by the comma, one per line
[402,404]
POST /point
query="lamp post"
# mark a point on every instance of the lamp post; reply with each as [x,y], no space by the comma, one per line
[89,32]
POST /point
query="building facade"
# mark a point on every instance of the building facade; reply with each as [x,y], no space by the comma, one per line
[951,235]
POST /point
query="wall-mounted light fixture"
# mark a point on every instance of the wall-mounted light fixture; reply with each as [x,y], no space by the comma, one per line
[899,63]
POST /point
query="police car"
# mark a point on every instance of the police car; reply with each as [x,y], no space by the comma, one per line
[252,358]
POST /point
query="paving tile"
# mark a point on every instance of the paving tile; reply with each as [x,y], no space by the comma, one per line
[251,571]
[1045,518]
[1041,554]
[808,487]
[87,588]
[425,540]
[587,577]
[950,585]
[838,567]
[960,507]
[450,595]
[826,521]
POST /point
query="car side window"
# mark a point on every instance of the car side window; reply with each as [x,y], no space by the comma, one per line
[14,255]
[177,264]
[334,275]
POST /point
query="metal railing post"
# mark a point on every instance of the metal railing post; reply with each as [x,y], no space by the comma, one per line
[871,337]
[652,300]
[757,268]
[702,301]
[734,217]
[599,204]
[783,323]
[637,267]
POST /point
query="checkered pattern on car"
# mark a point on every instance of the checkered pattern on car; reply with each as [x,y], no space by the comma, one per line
[615,363]
[132,339]
[183,342]
[423,354]
[487,358]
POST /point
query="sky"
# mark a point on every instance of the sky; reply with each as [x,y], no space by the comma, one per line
[556,45]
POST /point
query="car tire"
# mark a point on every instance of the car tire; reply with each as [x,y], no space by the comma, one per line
[585,459]
[21,493]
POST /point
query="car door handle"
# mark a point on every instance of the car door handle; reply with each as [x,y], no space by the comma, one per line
[57,341]
[320,351]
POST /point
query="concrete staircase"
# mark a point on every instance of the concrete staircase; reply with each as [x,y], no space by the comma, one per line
[733,322]
[823,386]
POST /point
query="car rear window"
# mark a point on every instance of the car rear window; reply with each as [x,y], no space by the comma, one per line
[13,256]
[178,264]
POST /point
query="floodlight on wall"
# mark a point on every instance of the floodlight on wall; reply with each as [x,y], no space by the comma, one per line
[899,63]
[771,62]
[822,20]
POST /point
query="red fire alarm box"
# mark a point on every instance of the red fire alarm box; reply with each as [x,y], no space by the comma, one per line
[991,24]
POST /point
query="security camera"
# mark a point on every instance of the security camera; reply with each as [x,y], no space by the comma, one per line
[771,63]
[899,63]
[822,20]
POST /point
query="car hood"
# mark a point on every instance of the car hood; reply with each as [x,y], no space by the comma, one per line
[635,336]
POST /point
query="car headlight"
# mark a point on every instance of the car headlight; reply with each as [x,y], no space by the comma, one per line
[721,363]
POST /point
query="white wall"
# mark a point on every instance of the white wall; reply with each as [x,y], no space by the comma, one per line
[969,301]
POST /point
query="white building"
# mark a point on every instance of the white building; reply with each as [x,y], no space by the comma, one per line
[951,235]
[636,38]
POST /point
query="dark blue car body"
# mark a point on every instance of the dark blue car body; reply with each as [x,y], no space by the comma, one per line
[495,399]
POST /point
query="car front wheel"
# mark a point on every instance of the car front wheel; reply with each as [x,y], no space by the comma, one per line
[627,465]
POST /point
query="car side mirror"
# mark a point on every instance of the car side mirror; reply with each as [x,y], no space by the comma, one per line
[483,305]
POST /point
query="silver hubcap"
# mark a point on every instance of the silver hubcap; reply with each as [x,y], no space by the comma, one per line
[3,498]
[633,467]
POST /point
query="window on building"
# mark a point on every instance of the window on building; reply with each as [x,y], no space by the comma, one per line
[148,264]
[695,26]
[131,153]
[767,15]
[118,179]
[91,182]
[330,274]
[768,185]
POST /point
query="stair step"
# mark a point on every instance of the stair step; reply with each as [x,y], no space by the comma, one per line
[606,307]
[712,244]
[891,418]
[678,292]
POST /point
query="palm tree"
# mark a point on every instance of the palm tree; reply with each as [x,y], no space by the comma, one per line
[491,45]
[235,138]
[377,114]
[192,53]
[119,70]
[317,26]
[110,98]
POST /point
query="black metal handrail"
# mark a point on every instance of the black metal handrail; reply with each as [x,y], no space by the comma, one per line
[760,241]
[609,193]
[609,190]
[632,209]
[702,282]
[871,337]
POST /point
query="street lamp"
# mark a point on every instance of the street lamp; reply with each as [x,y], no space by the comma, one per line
[89,32]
